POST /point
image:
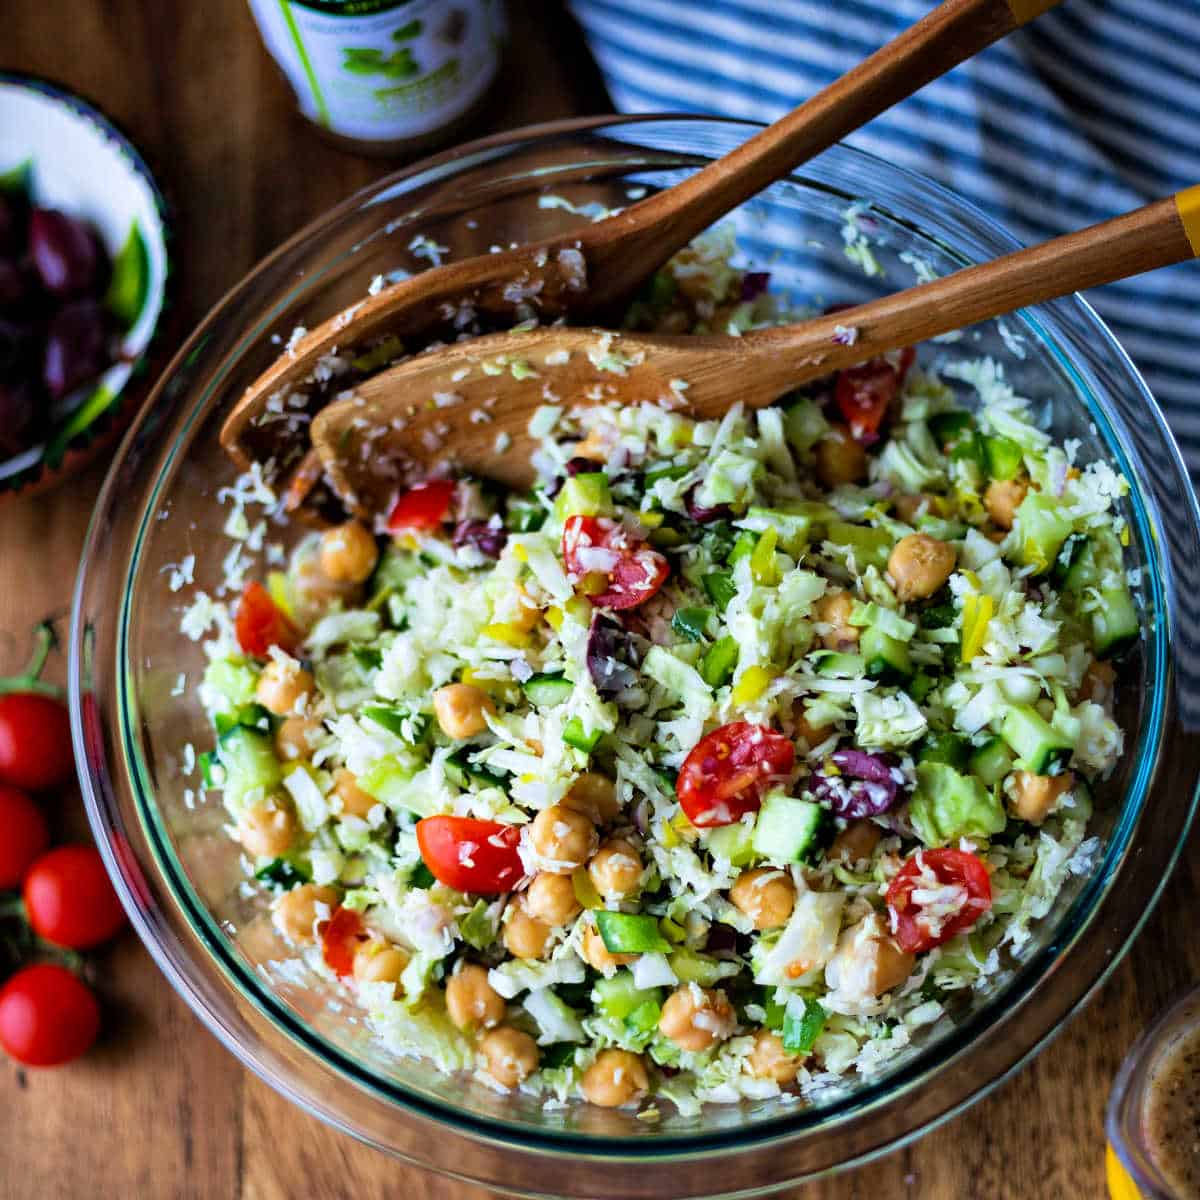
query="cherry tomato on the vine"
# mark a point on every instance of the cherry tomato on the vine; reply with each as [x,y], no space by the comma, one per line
[725,774]
[424,506]
[69,900]
[261,624]
[24,834]
[35,742]
[341,937]
[470,855]
[963,879]
[601,546]
[48,1016]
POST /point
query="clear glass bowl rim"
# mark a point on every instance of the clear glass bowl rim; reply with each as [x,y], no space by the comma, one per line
[761,1134]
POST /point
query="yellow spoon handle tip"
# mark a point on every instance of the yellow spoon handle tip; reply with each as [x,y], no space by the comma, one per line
[1188,204]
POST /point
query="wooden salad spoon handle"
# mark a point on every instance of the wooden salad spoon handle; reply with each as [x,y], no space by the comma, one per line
[468,406]
[592,272]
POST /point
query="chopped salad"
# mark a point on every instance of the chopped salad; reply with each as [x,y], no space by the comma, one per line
[712,768]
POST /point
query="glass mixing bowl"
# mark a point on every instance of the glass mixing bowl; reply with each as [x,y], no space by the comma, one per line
[133,674]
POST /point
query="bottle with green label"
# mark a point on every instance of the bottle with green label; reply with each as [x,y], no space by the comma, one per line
[389,76]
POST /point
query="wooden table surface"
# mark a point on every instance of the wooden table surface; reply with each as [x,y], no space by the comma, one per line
[160,1109]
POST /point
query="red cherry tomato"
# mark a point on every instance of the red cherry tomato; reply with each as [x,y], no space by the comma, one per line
[261,624]
[24,834]
[341,936]
[914,929]
[48,1016]
[470,855]
[35,742]
[865,393]
[69,900]
[424,506]
[727,771]
[598,545]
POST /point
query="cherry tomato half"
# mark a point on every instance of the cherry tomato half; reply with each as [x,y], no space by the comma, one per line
[424,506]
[599,545]
[35,742]
[261,624]
[341,936]
[470,855]
[865,393]
[48,1016]
[69,900]
[727,771]
[951,868]
[24,835]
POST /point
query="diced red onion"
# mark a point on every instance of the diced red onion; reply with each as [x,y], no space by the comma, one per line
[702,515]
[487,538]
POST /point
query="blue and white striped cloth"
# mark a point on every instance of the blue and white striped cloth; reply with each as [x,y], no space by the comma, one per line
[1088,112]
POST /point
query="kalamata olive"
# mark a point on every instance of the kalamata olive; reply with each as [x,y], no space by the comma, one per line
[14,213]
[487,538]
[702,515]
[20,417]
[869,784]
[18,345]
[613,655]
[754,283]
[65,251]
[76,347]
[580,466]
[12,284]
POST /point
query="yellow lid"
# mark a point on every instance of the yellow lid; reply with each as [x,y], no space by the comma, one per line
[1120,1185]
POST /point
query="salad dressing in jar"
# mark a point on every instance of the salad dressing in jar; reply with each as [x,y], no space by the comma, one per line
[386,76]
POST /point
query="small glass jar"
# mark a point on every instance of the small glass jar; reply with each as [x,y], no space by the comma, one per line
[389,77]
[1146,1098]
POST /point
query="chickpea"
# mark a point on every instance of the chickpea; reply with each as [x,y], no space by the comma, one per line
[767,896]
[840,459]
[867,962]
[595,796]
[1034,796]
[856,842]
[563,839]
[596,954]
[834,609]
[283,687]
[617,1077]
[296,738]
[380,962]
[348,553]
[909,508]
[694,1017]
[460,709]
[355,802]
[920,565]
[471,1002]
[1002,499]
[616,869]
[812,735]
[268,828]
[525,936]
[593,446]
[552,899]
[297,912]
[769,1060]
[1098,682]
[509,1055]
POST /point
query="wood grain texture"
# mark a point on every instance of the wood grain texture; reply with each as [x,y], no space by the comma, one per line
[160,1109]
[593,273]
[386,431]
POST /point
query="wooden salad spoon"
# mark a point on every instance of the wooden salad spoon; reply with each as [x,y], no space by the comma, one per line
[591,273]
[469,405]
